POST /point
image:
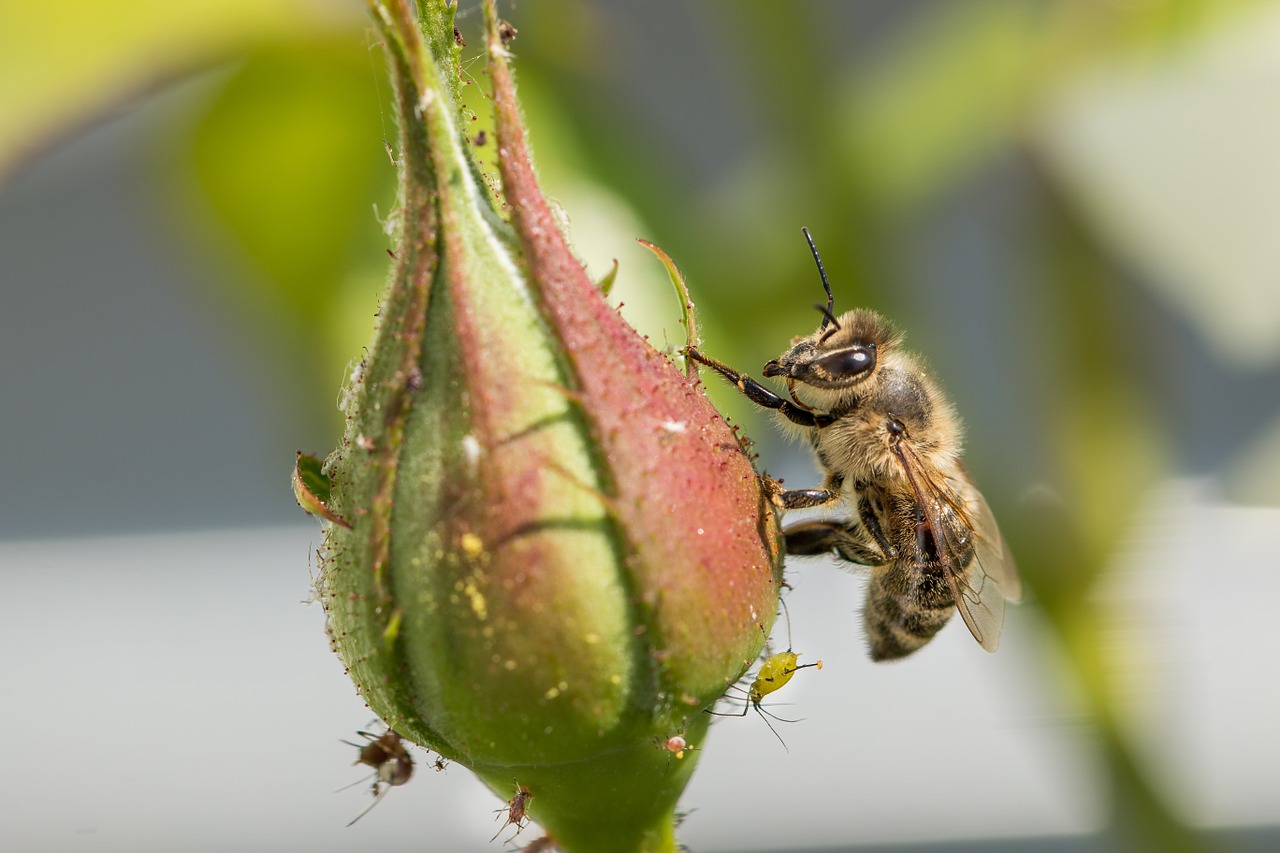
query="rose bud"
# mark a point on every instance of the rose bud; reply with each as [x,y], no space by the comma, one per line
[545,552]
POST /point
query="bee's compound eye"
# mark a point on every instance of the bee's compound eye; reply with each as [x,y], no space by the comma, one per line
[850,362]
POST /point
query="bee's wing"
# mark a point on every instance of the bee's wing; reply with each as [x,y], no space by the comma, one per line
[990,548]
[960,520]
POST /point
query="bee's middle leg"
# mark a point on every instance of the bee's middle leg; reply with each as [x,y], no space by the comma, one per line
[800,498]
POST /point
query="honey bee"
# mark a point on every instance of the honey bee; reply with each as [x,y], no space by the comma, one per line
[890,444]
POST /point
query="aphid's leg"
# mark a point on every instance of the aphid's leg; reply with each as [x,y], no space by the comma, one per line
[360,781]
[745,709]
[842,538]
[762,712]
[762,396]
[378,794]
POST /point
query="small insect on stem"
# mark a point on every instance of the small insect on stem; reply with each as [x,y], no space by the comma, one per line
[773,675]
[392,765]
[676,746]
[517,811]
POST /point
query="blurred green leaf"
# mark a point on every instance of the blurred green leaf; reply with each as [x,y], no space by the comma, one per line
[291,156]
[960,82]
[1174,159]
[945,94]
[63,62]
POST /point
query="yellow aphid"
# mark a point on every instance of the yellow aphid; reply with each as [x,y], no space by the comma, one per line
[773,674]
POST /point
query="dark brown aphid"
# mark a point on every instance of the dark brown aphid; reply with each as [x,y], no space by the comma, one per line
[516,810]
[506,32]
[889,442]
[392,765]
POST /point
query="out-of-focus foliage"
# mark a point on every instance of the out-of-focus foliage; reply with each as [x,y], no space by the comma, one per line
[289,153]
[1161,151]
[1120,142]
[63,62]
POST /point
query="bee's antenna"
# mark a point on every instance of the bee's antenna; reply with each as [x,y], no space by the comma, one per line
[828,317]
[826,285]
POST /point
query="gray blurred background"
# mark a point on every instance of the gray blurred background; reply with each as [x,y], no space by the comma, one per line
[1071,208]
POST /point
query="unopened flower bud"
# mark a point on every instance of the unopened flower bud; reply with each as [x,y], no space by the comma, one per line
[546,553]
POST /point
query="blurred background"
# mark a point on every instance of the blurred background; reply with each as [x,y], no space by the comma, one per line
[1073,209]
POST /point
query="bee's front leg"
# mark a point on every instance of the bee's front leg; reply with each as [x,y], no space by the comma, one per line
[762,396]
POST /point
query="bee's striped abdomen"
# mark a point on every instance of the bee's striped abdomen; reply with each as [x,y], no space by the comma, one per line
[904,608]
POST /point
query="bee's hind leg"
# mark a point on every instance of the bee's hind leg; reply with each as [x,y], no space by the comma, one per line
[846,539]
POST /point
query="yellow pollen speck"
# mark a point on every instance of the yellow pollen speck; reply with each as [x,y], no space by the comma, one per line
[472,545]
[478,605]
[592,638]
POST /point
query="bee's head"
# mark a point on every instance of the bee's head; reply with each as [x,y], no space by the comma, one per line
[843,352]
